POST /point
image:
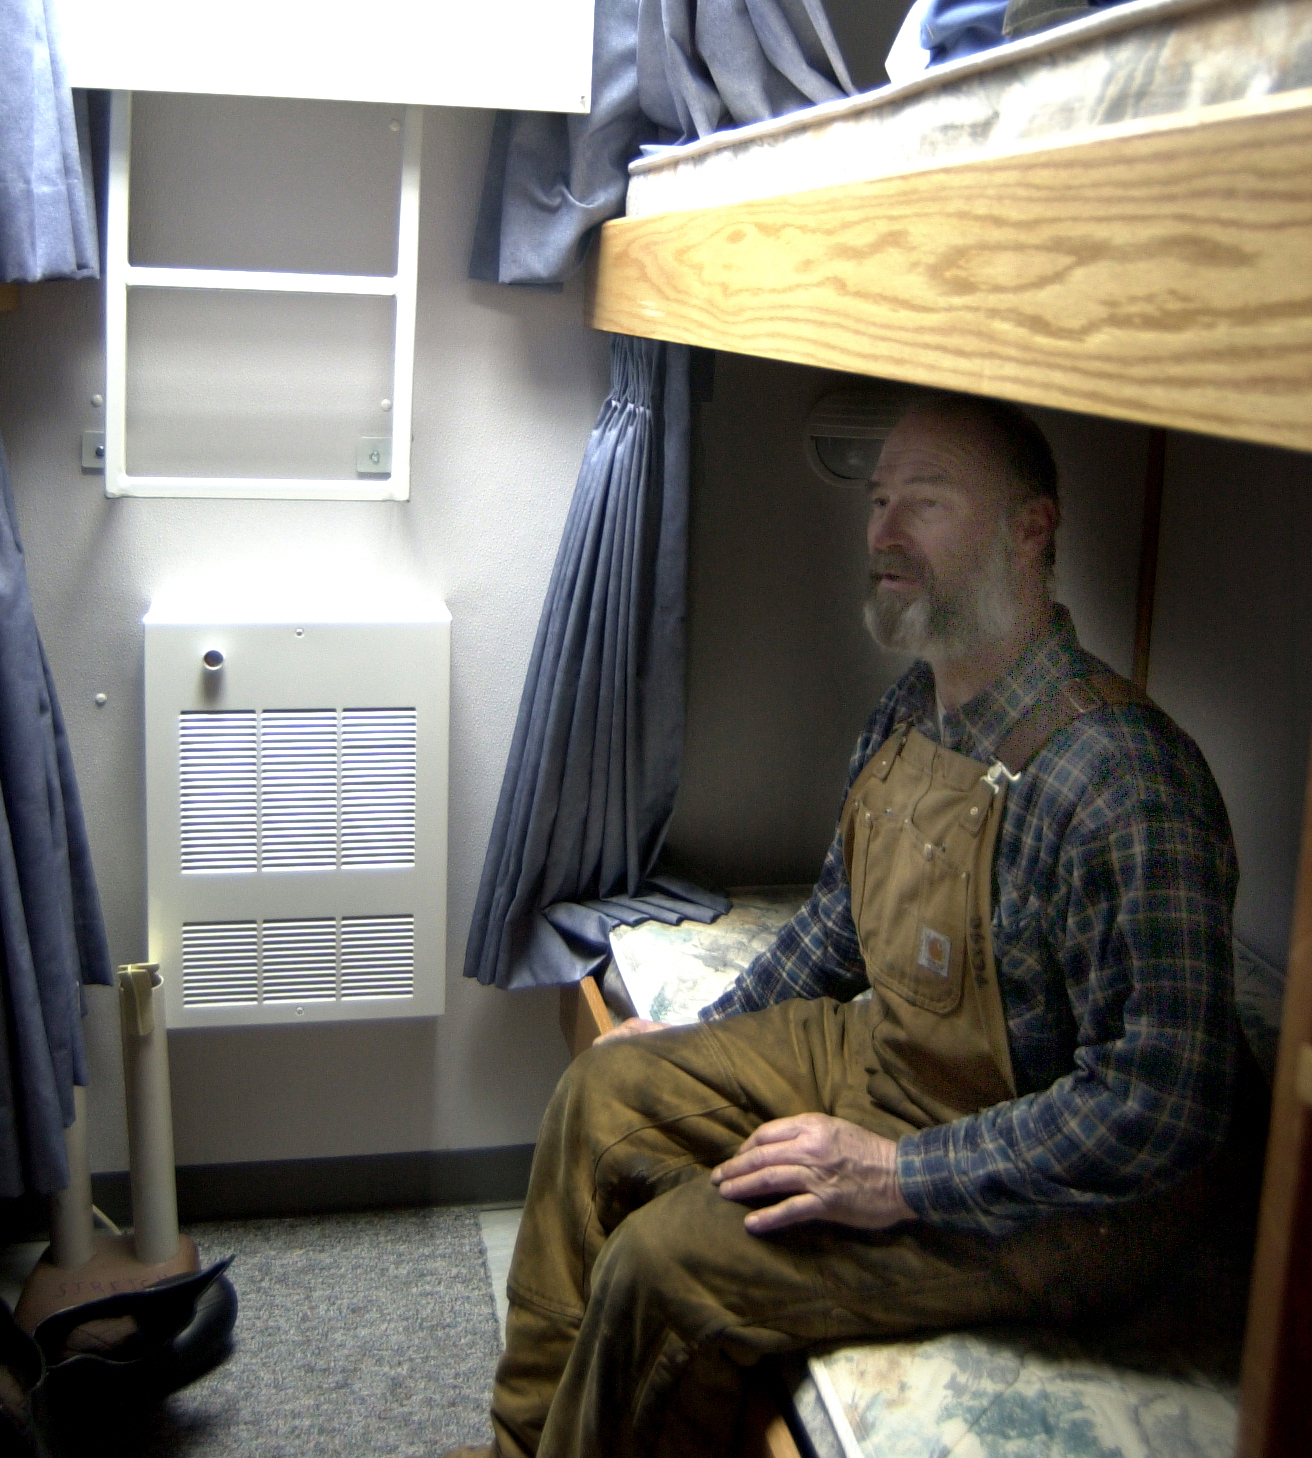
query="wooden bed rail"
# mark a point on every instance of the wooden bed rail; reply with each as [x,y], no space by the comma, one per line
[583,1015]
[1158,270]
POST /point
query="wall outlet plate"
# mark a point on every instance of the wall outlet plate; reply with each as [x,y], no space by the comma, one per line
[373,455]
[93,450]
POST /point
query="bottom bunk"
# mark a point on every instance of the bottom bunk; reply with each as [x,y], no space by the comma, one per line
[1163,1380]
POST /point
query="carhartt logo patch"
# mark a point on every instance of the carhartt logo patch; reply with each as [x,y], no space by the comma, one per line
[935,952]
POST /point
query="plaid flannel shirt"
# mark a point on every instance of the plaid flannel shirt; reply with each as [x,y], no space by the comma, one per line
[1114,885]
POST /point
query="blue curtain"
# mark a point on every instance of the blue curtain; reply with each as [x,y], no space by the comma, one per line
[52,936]
[47,209]
[662,71]
[595,762]
[594,765]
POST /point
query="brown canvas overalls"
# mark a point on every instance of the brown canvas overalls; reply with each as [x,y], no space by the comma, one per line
[637,1298]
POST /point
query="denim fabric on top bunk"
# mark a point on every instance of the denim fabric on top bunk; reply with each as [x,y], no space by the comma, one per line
[47,211]
[52,936]
[594,765]
[662,71]
[955,28]
[1127,62]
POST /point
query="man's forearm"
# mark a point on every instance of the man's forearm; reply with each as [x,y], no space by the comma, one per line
[1065,1148]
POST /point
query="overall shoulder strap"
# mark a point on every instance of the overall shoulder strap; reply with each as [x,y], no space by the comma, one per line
[1055,711]
[877,767]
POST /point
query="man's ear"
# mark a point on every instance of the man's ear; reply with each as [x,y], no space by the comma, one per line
[1034,524]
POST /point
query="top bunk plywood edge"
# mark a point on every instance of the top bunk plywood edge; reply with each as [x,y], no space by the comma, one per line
[1159,271]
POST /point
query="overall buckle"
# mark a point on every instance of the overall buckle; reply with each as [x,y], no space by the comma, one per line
[999,776]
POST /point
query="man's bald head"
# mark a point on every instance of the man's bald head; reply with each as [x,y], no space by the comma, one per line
[1003,439]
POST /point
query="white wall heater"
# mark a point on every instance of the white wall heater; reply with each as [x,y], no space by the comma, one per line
[296,807]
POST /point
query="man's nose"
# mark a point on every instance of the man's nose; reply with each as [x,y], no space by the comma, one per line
[886,529]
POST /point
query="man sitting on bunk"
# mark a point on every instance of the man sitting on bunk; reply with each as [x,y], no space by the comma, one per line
[1033,878]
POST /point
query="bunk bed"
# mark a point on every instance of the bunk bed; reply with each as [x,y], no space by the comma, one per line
[1113,217]
[1151,268]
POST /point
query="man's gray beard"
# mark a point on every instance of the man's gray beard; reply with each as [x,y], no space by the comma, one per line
[950,624]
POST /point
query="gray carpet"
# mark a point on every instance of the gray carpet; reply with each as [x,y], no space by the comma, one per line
[357,1335]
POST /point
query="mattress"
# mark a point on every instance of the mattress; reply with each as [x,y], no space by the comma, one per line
[1162,1384]
[1148,58]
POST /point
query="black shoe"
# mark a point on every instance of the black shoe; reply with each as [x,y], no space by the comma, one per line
[20,1371]
[105,1363]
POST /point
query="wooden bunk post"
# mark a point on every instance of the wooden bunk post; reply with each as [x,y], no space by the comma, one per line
[1154,479]
[764,1432]
[1275,1411]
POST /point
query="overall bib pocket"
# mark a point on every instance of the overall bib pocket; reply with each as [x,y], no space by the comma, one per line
[912,913]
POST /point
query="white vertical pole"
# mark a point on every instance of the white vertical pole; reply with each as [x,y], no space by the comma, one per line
[116,291]
[407,287]
[150,1113]
[70,1210]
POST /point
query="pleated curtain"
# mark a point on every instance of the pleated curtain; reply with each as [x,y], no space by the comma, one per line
[663,71]
[47,208]
[594,764]
[52,935]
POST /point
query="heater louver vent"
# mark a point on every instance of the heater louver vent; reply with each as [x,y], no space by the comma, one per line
[297,790]
[321,959]
[378,787]
[298,960]
[217,774]
[378,956]
[220,963]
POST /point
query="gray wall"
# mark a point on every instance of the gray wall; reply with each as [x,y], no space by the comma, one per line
[1232,651]
[507,385]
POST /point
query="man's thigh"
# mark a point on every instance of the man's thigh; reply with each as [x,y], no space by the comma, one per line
[800,1056]
[688,1261]
[807,1056]
[796,1057]
[636,1117]
[684,1298]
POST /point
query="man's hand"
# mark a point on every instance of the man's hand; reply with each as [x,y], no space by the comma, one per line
[828,1169]
[628,1029]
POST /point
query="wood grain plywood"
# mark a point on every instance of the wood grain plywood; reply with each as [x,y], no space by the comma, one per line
[1273,1409]
[583,1015]
[1158,271]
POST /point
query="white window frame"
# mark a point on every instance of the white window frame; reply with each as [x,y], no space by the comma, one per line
[122,275]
